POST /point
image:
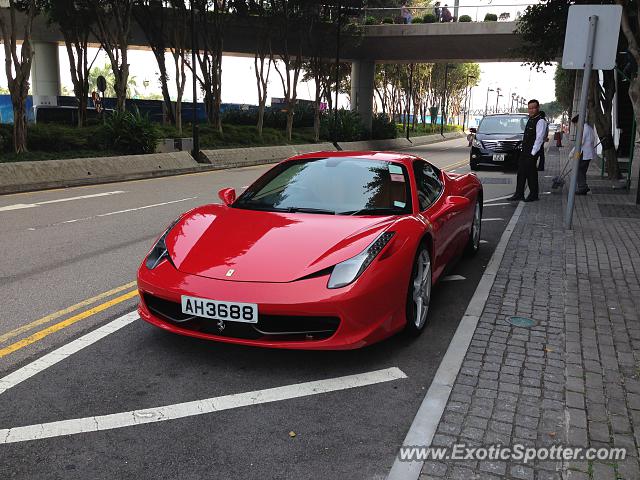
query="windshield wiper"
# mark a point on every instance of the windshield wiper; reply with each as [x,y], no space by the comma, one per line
[309,210]
[373,211]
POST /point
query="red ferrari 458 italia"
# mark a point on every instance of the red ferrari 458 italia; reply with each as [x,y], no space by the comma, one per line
[329,250]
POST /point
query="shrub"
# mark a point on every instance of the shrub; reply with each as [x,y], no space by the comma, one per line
[387,20]
[491,17]
[382,127]
[273,118]
[6,138]
[429,18]
[418,20]
[350,127]
[51,137]
[371,21]
[130,133]
[464,18]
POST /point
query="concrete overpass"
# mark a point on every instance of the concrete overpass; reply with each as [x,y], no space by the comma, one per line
[416,43]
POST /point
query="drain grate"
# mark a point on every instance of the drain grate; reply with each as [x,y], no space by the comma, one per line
[618,210]
[496,180]
[521,322]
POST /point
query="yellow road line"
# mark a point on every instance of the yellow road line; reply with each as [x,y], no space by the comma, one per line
[65,323]
[52,316]
[459,164]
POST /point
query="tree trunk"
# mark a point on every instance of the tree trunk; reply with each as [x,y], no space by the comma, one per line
[19,124]
[290,111]
[260,125]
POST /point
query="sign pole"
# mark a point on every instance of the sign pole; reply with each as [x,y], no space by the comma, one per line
[588,65]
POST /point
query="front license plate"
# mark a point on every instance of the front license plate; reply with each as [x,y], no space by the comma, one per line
[498,158]
[217,310]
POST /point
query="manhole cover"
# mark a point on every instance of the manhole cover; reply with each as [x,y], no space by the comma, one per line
[496,180]
[521,322]
[619,210]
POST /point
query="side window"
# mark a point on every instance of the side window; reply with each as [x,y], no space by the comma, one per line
[428,183]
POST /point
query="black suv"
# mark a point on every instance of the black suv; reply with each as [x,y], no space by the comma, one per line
[498,140]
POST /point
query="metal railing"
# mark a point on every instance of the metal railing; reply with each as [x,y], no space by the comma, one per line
[498,9]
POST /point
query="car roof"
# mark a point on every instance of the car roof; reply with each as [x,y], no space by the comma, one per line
[385,156]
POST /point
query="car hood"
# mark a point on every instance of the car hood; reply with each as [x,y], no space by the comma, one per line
[259,246]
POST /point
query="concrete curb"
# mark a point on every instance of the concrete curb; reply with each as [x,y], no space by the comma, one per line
[17,177]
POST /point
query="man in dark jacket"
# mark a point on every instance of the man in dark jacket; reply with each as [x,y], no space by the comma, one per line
[533,142]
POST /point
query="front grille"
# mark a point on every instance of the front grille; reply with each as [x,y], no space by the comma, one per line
[501,146]
[268,327]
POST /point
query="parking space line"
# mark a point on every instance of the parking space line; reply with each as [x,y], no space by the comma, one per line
[64,324]
[426,421]
[492,219]
[52,316]
[497,204]
[198,407]
[19,206]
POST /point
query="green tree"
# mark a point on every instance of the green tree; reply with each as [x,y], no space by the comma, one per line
[565,85]
[552,109]
[74,19]
[107,72]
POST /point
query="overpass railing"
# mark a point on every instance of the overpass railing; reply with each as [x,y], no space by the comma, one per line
[503,12]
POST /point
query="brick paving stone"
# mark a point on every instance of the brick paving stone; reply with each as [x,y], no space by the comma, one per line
[574,378]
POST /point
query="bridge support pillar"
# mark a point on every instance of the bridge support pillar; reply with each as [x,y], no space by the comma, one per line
[362,86]
[45,70]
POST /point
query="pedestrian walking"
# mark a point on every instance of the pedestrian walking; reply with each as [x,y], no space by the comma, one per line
[446,16]
[405,13]
[546,139]
[534,134]
[437,11]
[588,153]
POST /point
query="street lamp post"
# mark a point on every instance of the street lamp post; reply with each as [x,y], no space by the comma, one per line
[498,95]
[466,98]
[195,130]
[486,104]
[513,97]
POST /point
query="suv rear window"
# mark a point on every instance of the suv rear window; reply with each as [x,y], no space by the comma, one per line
[503,124]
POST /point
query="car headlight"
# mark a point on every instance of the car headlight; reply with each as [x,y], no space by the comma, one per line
[348,271]
[477,143]
[159,251]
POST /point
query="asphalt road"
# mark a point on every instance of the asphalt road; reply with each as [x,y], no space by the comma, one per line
[68,247]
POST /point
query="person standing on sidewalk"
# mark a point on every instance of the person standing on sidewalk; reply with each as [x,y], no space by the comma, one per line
[546,139]
[588,153]
[437,11]
[534,134]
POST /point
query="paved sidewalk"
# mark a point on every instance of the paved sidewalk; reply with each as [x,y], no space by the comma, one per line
[574,377]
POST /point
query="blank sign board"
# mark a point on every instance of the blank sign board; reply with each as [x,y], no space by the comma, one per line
[607,32]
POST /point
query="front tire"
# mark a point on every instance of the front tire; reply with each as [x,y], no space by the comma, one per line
[473,244]
[419,293]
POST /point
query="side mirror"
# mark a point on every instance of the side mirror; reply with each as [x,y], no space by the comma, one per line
[473,130]
[227,195]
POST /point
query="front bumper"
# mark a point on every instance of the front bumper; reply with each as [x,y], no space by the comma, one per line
[487,157]
[365,312]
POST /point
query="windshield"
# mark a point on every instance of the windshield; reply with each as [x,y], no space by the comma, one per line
[336,186]
[503,124]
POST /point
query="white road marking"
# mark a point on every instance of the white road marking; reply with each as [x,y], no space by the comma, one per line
[430,412]
[496,199]
[197,407]
[483,241]
[497,204]
[65,351]
[19,206]
[74,220]
[492,219]
[145,207]
[453,278]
